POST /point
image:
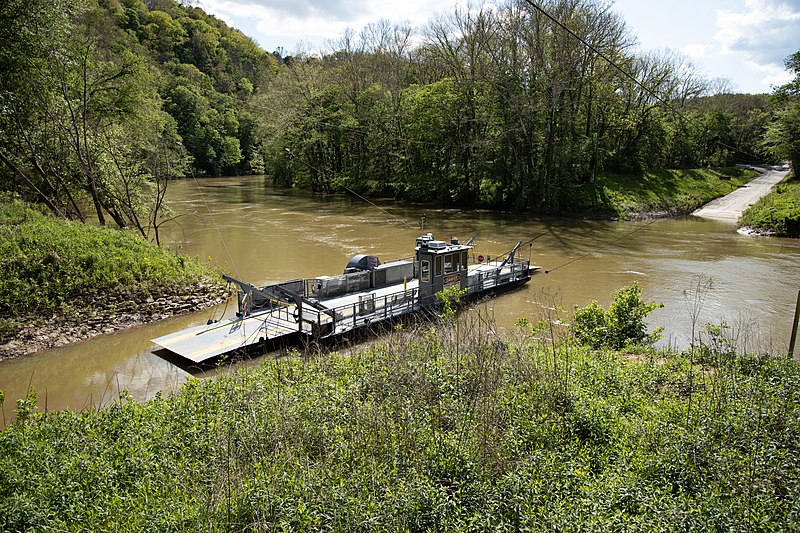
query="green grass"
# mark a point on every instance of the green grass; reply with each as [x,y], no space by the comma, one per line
[778,212]
[429,430]
[664,192]
[51,266]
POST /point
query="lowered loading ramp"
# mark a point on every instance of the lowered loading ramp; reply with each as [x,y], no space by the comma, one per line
[201,343]
[332,317]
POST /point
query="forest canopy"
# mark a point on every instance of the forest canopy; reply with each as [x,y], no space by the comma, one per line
[104,101]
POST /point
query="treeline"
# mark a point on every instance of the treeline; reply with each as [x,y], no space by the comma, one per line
[501,107]
[107,100]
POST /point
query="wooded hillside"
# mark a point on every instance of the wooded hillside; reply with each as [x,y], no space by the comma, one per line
[104,101]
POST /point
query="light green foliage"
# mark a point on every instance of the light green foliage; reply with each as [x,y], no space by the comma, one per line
[622,325]
[417,434]
[590,325]
[26,407]
[778,212]
[162,34]
[435,118]
[659,192]
[450,298]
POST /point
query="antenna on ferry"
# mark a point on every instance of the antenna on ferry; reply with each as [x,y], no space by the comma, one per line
[422,220]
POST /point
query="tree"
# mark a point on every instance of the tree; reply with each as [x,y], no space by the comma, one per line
[210,132]
[782,138]
[82,118]
[32,153]
[622,325]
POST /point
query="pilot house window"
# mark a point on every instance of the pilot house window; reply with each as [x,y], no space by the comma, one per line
[451,263]
[425,271]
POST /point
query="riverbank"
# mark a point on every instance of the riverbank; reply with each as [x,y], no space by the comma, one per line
[660,194]
[63,281]
[37,334]
[67,282]
[731,206]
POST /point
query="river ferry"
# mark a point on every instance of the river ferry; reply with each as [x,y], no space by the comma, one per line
[367,292]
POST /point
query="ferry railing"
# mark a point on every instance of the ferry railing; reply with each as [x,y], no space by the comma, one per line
[283,312]
[363,312]
[497,276]
[371,308]
[277,322]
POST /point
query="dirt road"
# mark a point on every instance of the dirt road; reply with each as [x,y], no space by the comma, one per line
[731,206]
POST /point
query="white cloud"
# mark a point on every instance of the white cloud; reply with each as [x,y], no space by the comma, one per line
[288,22]
[765,33]
[762,35]
[698,50]
[280,9]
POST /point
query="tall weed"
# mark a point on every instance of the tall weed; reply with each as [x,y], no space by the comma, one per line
[436,427]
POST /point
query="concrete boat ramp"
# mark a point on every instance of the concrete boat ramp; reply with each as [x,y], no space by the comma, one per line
[731,206]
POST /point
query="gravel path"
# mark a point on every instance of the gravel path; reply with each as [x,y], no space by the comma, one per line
[731,206]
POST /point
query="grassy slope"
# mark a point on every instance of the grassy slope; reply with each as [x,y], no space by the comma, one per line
[427,432]
[52,266]
[778,212]
[666,191]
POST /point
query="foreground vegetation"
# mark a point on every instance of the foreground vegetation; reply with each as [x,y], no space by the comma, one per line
[51,267]
[778,212]
[435,428]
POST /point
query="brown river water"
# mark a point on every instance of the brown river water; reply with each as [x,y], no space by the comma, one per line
[703,271]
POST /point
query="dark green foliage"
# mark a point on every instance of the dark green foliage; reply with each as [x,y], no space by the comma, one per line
[499,108]
[225,69]
[426,431]
[622,325]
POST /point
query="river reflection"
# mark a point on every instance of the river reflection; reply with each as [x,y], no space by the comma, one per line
[703,271]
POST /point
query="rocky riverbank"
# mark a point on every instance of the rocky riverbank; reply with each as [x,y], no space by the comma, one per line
[108,314]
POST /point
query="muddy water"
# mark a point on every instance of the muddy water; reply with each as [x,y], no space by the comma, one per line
[703,271]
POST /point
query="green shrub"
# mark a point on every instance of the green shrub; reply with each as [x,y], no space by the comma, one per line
[8,329]
[622,325]
[416,433]
[49,264]
[778,212]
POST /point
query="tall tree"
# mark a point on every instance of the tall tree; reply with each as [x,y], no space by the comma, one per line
[86,119]
[31,151]
[782,138]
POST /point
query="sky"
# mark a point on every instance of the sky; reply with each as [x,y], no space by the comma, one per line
[742,41]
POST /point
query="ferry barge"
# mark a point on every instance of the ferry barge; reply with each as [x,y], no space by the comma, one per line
[367,292]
